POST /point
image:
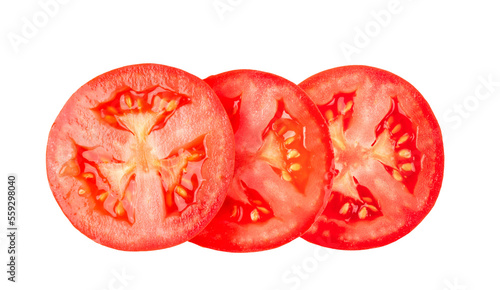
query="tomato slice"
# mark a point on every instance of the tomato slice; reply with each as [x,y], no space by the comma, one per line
[140,158]
[388,155]
[283,165]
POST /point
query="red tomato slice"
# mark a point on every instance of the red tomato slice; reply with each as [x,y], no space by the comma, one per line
[283,165]
[388,155]
[140,157]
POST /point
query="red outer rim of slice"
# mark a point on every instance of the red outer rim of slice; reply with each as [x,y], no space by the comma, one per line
[318,85]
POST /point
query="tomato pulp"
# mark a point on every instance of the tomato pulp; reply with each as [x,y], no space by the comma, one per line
[389,157]
[140,158]
[283,164]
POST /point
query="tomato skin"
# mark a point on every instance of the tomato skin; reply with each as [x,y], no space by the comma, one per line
[329,231]
[295,211]
[149,228]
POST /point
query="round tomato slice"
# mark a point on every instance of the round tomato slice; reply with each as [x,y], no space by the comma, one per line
[283,165]
[140,157]
[388,155]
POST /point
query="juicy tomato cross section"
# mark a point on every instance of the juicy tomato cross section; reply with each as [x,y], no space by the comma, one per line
[130,165]
[283,160]
[388,157]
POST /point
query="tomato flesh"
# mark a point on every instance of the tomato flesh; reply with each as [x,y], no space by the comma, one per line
[283,163]
[388,157]
[128,164]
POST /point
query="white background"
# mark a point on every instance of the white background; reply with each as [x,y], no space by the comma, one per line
[443,48]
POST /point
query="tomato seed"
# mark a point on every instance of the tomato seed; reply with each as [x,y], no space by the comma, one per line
[234,212]
[286,176]
[112,110]
[295,167]
[128,101]
[181,191]
[405,153]
[345,208]
[403,139]
[407,167]
[254,215]
[329,115]
[396,129]
[263,210]
[363,213]
[282,130]
[293,154]
[396,175]
[195,157]
[88,175]
[290,140]
[102,196]
[119,210]
[172,105]
[347,107]
[110,119]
